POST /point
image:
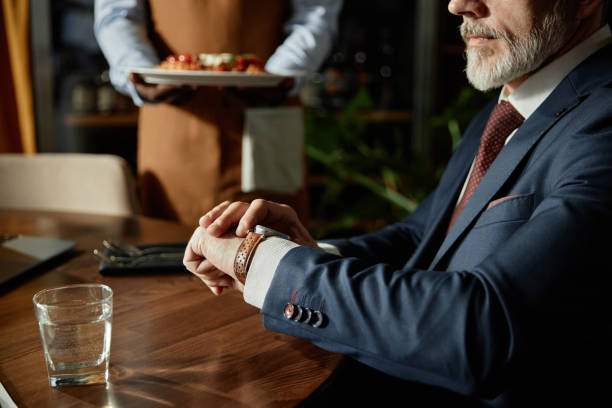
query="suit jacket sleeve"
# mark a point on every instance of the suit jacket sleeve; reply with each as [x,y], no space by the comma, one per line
[381,246]
[533,298]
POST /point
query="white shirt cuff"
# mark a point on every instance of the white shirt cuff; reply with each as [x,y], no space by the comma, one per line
[266,258]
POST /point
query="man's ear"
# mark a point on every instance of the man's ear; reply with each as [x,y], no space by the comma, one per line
[588,8]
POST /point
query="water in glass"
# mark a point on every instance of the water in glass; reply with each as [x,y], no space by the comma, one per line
[75,328]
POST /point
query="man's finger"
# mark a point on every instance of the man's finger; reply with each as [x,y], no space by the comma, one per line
[193,255]
[213,214]
[166,93]
[287,83]
[228,219]
[135,78]
[207,272]
[257,213]
[224,282]
[269,213]
[217,290]
[161,92]
[215,279]
[206,268]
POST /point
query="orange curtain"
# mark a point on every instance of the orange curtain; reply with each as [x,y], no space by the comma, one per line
[17,131]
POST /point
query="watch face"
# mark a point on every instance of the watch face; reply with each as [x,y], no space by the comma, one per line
[269,232]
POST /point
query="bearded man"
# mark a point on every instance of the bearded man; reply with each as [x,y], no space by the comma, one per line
[494,291]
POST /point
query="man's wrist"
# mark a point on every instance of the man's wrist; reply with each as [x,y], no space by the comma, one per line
[244,255]
[263,269]
[247,248]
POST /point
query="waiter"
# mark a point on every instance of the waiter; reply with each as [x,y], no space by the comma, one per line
[197,147]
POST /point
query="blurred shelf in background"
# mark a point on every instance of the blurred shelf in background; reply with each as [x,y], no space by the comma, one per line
[96,120]
[385,116]
[77,109]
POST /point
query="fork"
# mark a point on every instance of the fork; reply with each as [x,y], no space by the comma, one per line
[132,250]
[126,261]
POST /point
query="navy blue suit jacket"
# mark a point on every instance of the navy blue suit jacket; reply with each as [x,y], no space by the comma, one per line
[511,306]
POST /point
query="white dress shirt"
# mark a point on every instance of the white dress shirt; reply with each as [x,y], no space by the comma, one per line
[526,99]
[120,28]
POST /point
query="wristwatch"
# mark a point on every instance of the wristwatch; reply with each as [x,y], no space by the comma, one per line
[248,246]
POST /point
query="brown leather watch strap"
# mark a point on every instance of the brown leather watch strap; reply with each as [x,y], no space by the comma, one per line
[245,254]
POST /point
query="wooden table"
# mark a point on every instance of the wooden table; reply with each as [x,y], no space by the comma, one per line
[173,342]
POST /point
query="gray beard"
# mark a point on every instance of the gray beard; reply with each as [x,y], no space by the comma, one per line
[487,71]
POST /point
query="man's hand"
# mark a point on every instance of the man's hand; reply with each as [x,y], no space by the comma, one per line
[173,94]
[212,248]
[244,216]
[212,259]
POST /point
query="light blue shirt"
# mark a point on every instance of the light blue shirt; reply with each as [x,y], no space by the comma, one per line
[120,28]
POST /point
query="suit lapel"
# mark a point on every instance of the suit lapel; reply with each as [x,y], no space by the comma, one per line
[561,101]
[448,190]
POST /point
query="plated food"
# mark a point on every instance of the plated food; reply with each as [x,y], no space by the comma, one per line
[245,70]
[225,62]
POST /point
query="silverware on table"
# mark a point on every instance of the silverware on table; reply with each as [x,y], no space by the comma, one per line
[127,261]
[123,249]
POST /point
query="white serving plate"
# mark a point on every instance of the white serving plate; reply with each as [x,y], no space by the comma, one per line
[207,78]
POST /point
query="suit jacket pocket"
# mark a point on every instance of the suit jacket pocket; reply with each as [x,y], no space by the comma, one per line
[492,229]
[507,209]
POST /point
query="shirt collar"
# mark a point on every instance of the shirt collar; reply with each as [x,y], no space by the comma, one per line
[531,93]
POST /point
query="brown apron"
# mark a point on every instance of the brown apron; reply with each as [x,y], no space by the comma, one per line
[189,156]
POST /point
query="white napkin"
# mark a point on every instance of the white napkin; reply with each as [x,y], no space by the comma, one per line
[5,399]
[273,150]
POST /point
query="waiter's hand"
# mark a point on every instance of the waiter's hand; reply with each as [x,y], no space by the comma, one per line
[168,93]
[244,216]
[261,96]
[212,259]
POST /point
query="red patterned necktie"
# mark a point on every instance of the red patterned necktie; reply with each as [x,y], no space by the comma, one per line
[503,120]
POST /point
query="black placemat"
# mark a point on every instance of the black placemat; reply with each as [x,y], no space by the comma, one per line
[148,266]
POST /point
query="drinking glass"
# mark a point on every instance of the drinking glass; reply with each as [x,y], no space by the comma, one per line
[75,328]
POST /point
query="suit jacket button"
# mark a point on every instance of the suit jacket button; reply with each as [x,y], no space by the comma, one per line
[289,311]
[307,315]
[317,319]
[299,312]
